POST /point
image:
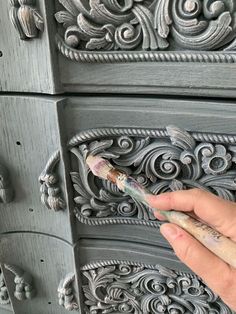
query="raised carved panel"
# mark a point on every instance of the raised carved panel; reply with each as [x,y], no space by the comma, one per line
[129,287]
[24,287]
[147,25]
[26,18]
[160,159]
[6,190]
[50,189]
[66,294]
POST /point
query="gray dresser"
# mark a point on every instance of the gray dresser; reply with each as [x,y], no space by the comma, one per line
[149,85]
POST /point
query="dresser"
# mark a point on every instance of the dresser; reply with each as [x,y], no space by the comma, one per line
[149,85]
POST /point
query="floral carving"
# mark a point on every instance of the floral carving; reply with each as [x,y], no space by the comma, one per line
[4,296]
[6,190]
[161,160]
[127,287]
[66,293]
[24,287]
[104,25]
[25,18]
[50,191]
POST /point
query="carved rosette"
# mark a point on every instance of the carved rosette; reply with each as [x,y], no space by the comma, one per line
[129,287]
[4,296]
[6,190]
[26,18]
[50,190]
[66,293]
[146,25]
[161,160]
[24,287]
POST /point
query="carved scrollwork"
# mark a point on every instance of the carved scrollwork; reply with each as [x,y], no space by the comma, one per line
[66,293]
[6,190]
[26,18]
[128,287]
[24,287]
[142,25]
[50,191]
[4,296]
[162,160]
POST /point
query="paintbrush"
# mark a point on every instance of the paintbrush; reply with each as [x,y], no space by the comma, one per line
[217,243]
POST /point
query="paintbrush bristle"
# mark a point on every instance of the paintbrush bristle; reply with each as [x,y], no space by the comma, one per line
[100,167]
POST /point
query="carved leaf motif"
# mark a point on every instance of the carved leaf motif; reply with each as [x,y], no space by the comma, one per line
[152,24]
[123,287]
[26,19]
[173,159]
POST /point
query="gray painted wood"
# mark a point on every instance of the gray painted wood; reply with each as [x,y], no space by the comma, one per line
[149,78]
[29,136]
[28,65]
[46,259]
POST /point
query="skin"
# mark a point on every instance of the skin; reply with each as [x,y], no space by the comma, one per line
[218,213]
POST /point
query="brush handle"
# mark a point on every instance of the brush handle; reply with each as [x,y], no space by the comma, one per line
[217,243]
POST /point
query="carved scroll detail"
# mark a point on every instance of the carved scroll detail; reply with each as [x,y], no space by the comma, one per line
[162,160]
[66,293]
[111,25]
[6,190]
[51,192]
[24,288]
[129,287]
[26,18]
[4,296]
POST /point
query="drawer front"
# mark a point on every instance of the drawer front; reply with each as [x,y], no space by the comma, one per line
[148,47]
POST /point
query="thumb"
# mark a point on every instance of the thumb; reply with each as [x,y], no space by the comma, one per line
[197,257]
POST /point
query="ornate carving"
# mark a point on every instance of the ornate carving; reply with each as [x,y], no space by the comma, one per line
[161,160]
[25,18]
[4,296]
[127,287]
[111,25]
[6,190]
[51,192]
[24,288]
[66,293]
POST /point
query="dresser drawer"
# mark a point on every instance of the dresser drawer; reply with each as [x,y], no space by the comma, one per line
[105,47]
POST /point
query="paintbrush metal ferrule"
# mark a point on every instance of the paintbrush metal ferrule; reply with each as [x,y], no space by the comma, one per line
[217,243]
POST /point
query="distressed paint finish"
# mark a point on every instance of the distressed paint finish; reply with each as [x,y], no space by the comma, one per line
[26,18]
[66,293]
[115,286]
[147,25]
[161,160]
[50,190]
[24,287]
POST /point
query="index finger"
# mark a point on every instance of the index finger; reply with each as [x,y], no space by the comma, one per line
[215,211]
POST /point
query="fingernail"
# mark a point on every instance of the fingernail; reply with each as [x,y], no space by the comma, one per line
[169,231]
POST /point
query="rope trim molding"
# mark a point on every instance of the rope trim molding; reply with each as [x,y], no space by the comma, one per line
[153,133]
[141,56]
[160,268]
[114,221]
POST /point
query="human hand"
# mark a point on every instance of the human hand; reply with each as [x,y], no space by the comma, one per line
[220,215]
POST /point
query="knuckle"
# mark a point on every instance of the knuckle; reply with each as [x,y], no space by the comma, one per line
[196,193]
